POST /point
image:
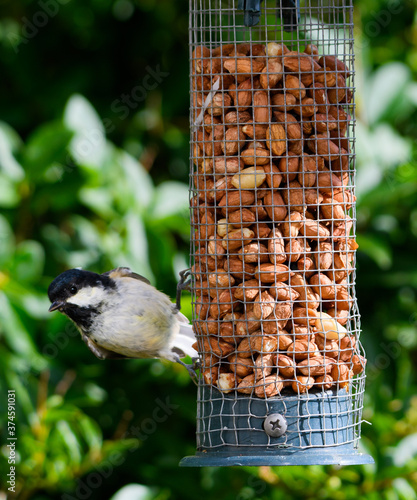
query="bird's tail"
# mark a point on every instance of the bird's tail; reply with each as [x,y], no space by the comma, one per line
[182,342]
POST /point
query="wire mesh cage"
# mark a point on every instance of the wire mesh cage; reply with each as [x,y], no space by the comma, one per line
[273,241]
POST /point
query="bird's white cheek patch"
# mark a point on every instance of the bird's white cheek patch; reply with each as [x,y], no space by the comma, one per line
[87,297]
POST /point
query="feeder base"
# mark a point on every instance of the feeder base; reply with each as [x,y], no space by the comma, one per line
[341,455]
[319,430]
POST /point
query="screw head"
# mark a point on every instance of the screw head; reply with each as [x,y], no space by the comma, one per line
[275,425]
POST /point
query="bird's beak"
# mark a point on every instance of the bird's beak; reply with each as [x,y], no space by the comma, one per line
[56,305]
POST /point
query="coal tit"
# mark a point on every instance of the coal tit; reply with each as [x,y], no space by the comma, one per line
[121,315]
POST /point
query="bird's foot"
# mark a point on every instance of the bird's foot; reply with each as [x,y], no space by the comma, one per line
[196,365]
[183,284]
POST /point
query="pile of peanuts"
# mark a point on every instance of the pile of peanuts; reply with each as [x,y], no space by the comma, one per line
[273,247]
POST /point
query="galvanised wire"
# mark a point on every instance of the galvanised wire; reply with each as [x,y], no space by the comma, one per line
[258,326]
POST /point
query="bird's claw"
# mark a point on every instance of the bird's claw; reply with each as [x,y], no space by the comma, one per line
[183,284]
[196,365]
[192,373]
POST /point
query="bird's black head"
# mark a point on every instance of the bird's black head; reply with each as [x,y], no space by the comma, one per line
[77,288]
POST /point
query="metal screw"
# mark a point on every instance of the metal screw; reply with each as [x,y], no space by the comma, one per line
[275,425]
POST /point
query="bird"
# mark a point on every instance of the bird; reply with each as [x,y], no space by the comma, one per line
[121,315]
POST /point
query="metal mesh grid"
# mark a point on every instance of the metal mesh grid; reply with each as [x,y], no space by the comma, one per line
[273,214]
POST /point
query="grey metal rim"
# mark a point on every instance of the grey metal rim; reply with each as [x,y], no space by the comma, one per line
[314,456]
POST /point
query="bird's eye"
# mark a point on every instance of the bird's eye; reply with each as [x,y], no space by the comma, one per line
[73,290]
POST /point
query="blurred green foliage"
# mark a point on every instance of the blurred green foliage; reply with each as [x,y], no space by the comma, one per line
[93,174]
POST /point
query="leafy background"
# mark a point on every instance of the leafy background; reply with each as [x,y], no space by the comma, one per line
[117,195]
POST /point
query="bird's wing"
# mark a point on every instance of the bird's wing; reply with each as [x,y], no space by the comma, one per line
[125,272]
[99,351]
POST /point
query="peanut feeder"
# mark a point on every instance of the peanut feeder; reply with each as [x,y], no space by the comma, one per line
[273,242]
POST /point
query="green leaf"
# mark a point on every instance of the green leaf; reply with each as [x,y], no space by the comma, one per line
[9,196]
[137,246]
[404,489]
[412,92]
[134,492]
[379,151]
[87,233]
[88,238]
[46,146]
[15,333]
[405,450]
[376,249]
[91,433]
[14,375]
[8,143]
[386,85]
[70,441]
[391,149]
[6,241]
[171,198]
[138,180]
[99,200]
[29,261]
[95,393]
[36,305]
[24,298]
[13,138]
[88,146]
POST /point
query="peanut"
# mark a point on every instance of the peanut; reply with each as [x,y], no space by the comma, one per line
[326,381]
[249,178]
[247,385]
[264,365]
[282,291]
[271,74]
[276,139]
[270,211]
[242,367]
[270,273]
[285,365]
[254,253]
[329,328]
[264,305]
[302,384]
[227,382]
[302,349]
[271,386]
[275,206]
[314,367]
[242,217]
[276,248]
[263,344]
[258,156]
[247,290]
[236,238]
